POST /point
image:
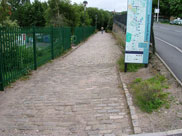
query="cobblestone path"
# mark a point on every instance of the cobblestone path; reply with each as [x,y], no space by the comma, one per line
[75,96]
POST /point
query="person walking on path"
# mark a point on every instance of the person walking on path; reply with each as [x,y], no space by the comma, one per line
[102,30]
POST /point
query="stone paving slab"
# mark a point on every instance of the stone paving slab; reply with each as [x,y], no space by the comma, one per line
[75,96]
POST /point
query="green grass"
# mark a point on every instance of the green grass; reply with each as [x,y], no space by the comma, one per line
[149,94]
[130,68]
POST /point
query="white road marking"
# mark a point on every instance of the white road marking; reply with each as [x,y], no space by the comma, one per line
[178,31]
[170,44]
[159,27]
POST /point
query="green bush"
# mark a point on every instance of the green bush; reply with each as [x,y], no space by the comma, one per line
[149,95]
[18,58]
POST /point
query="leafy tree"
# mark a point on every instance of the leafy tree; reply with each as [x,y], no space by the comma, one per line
[4,10]
[52,14]
[176,8]
[31,14]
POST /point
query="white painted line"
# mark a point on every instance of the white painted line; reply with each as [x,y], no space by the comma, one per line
[164,28]
[169,69]
[178,31]
[178,49]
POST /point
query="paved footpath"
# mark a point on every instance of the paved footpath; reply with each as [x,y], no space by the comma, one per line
[75,96]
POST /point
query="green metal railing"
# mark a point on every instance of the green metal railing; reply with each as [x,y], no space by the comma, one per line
[82,33]
[25,49]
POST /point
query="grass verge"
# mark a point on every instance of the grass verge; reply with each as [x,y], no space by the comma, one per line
[149,94]
[120,38]
[130,68]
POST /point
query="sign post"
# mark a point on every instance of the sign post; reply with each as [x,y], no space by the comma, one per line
[138,32]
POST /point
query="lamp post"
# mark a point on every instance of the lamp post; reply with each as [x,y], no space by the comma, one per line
[158,11]
[96,21]
[85,5]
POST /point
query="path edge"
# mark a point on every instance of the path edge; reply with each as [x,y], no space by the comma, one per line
[134,118]
[166,133]
[132,112]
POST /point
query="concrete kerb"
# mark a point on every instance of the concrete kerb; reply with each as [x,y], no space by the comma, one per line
[135,120]
[168,68]
[177,132]
[134,117]
[132,111]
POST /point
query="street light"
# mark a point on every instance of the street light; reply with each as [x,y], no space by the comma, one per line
[158,11]
[85,4]
[96,21]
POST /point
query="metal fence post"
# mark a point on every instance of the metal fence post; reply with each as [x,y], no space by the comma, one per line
[152,37]
[52,43]
[1,65]
[34,49]
[1,75]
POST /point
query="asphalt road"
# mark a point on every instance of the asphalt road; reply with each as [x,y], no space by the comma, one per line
[169,46]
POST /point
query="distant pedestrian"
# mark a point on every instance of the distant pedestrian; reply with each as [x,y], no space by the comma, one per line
[102,30]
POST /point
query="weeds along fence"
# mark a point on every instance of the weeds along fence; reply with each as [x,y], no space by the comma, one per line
[81,33]
[25,49]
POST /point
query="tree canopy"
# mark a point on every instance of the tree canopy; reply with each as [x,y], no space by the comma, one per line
[52,12]
[169,8]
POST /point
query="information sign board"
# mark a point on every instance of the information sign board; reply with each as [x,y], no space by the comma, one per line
[138,31]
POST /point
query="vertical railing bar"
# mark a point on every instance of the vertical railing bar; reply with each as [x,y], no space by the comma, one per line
[10,46]
[16,50]
[13,45]
[6,68]
[1,62]
[52,43]
[9,56]
[34,49]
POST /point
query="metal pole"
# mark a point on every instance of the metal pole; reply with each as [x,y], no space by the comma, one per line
[125,67]
[84,15]
[159,11]
[96,21]
[1,65]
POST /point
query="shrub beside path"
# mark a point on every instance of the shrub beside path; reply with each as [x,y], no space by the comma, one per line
[79,95]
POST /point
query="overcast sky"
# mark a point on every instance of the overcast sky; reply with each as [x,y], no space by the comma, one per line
[111,5]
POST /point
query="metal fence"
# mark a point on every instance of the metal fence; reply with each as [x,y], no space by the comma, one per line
[25,49]
[121,21]
[81,33]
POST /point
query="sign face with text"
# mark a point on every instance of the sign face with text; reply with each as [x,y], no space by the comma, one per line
[138,31]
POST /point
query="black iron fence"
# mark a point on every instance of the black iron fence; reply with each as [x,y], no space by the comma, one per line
[121,21]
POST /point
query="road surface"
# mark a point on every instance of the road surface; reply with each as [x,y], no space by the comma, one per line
[169,46]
